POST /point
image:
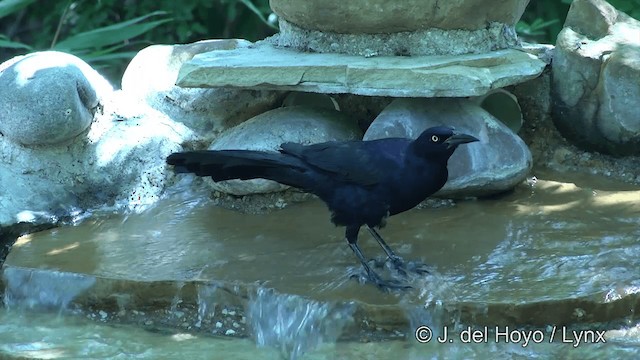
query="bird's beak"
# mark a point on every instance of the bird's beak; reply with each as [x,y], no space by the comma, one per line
[457,139]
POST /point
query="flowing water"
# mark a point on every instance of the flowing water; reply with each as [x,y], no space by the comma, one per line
[185,279]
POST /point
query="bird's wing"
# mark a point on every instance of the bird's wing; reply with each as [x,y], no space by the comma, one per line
[352,161]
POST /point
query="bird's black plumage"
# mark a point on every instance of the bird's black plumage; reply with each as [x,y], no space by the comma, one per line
[362,182]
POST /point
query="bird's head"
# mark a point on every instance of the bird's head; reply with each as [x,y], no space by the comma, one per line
[440,142]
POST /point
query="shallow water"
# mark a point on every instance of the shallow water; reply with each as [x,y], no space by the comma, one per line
[37,335]
[556,252]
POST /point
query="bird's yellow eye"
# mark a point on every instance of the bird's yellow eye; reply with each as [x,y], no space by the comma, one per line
[435,138]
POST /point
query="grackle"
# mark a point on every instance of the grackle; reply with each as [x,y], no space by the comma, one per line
[362,182]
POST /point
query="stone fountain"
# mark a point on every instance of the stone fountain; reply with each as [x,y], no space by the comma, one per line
[362,69]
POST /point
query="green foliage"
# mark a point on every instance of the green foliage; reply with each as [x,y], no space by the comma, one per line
[110,37]
[631,7]
[543,19]
[8,7]
[108,33]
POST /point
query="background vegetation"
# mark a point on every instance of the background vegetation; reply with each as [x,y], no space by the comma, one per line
[543,19]
[108,33]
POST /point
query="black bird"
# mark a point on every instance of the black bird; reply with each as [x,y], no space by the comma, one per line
[362,182]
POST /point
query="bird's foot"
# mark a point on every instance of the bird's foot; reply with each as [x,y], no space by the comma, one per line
[403,267]
[386,285]
[383,285]
[396,262]
[416,267]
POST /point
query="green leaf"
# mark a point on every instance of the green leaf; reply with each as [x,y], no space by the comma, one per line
[110,35]
[257,11]
[93,53]
[13,45]
[8,7]
[96,58]
[539,24]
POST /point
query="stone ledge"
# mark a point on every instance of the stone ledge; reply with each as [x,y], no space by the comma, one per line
[122,300]
[266,67]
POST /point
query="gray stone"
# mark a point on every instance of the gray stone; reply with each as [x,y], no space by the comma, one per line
[383,16]
[497,163]
[435,41]
[544,52]
[151,77]
[267,131]
[119,164]
[596,79]
[156,67]
[48,97]
[266,67]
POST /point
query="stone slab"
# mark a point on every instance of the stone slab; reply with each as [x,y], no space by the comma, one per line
[266,67]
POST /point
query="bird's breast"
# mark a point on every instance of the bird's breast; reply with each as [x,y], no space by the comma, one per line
[416,186]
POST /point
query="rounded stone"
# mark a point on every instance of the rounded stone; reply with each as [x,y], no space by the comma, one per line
[265,132]
[152,74]
[48,97]
[383,16]
[495,164]
[155,68]
[596,79]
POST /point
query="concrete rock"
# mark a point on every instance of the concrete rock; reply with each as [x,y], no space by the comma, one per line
[155,68]
[383,16]
[48,97]
[151,77]
[596,79]
[267,131]
[497,163]
[435,41]
[120,164]
[266,67]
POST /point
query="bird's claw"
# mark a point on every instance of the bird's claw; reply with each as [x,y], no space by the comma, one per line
[383,285]
[404,267]
[396,261]
[387,285]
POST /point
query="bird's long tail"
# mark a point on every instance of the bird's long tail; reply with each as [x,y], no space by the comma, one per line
[242,164]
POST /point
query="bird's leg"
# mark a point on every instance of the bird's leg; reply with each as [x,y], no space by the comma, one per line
[372,276]
[397,261]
